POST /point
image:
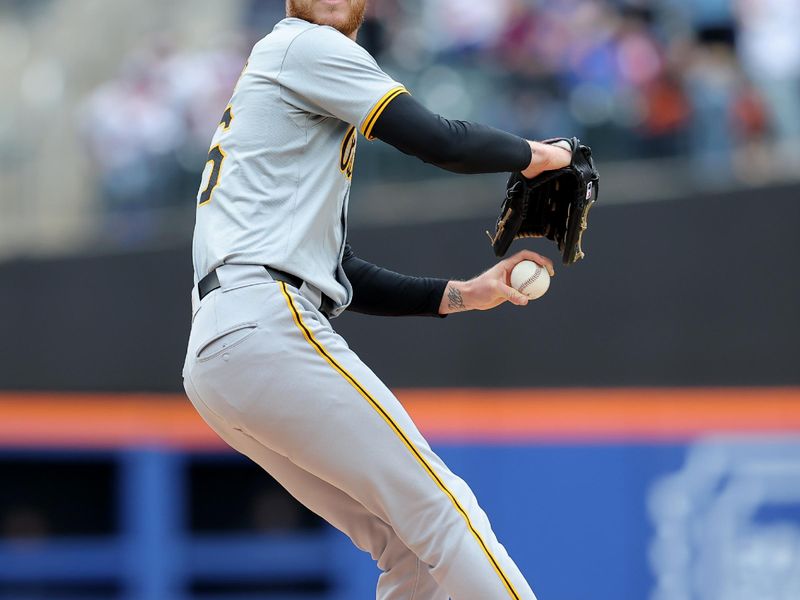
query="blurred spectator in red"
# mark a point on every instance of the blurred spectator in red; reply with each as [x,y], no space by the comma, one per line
[657,105]
[666,114]
[750,123]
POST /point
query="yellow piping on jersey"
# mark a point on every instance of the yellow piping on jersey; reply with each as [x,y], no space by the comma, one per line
[298,320]
[377,110]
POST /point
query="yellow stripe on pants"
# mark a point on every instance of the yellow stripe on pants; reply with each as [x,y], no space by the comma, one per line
[396,428]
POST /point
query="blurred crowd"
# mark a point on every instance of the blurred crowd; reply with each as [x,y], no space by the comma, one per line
[717,81]
[637,78]
[148,130]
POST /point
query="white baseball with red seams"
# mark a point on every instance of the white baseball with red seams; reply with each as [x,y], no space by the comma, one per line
[531,279]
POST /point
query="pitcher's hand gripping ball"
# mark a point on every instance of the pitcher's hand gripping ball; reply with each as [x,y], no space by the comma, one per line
[554,205]
[530,278]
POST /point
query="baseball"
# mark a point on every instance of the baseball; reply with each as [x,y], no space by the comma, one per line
[531,279]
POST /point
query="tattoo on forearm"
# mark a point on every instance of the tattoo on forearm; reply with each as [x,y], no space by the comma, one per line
[454,299]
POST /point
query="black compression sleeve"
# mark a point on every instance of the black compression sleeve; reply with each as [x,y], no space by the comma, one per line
[379,291]
[458,146]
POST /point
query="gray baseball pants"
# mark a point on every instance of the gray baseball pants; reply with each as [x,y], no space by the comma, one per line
[268,373]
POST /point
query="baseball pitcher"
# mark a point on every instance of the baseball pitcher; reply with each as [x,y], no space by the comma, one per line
[272,266]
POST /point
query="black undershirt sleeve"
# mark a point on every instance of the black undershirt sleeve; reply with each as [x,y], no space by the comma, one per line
[458,146]
[379,291]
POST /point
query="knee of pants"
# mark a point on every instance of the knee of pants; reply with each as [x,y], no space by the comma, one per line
[392,554]
[434,530]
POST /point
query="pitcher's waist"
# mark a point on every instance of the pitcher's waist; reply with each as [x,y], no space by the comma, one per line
[231,276]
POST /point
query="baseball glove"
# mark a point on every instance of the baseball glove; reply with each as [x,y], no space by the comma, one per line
[554,204]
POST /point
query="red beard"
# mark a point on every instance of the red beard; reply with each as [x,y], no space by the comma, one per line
[346,24]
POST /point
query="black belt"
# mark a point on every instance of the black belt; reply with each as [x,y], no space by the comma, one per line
[210,282]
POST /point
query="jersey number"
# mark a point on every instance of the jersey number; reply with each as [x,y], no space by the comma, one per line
[216,157]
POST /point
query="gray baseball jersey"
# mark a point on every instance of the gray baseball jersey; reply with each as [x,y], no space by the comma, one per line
[265,368]
[276,186]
